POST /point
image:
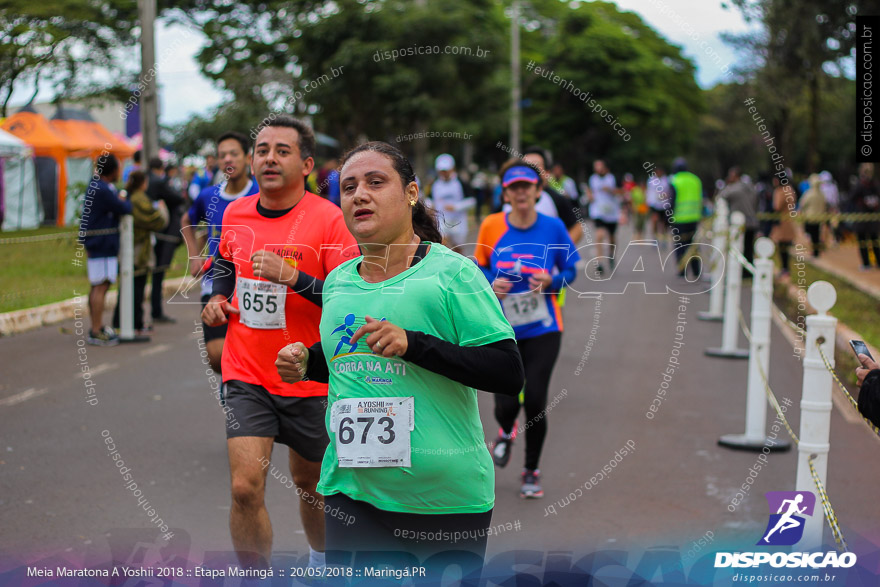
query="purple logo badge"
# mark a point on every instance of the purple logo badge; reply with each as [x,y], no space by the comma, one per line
[786,525]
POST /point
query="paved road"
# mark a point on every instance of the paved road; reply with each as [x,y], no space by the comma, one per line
[60,493]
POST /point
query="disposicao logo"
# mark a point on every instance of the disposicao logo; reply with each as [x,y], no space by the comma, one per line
[786,528]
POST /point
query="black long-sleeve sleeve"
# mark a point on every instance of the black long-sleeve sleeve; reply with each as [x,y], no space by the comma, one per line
[316,368]
[223,274]
[309,287]
[496,367]
[869,397]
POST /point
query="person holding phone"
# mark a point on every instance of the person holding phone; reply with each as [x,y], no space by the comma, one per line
[869,383]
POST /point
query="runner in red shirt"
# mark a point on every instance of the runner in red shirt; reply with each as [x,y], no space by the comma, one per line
[274,247]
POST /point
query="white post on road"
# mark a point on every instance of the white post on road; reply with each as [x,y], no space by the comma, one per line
[816,406]
[733,286]
[126,278]
[126,282]
[755,436]
[719,244]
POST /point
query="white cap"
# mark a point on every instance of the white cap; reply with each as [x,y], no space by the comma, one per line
[444,162]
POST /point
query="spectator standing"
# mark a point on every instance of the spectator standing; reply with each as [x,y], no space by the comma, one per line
[741,197]
[813,204]
[101,211]
[866,198]
[147,219]
[785,231]
[167,240]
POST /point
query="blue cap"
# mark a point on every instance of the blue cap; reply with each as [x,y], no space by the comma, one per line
[519,173]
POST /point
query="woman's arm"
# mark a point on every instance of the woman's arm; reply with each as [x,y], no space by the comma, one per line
[316,368]
[496,367]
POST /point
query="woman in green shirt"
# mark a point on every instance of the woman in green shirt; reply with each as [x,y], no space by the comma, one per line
[409,331]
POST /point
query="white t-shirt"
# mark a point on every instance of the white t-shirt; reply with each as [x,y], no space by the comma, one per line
[657,196]
[207,282]
[605,205]
[450,193]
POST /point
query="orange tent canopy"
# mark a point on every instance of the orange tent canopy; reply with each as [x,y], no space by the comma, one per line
[92,138]
[36,131]
[46,141]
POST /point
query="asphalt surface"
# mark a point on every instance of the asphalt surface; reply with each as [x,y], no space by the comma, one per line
[61,495]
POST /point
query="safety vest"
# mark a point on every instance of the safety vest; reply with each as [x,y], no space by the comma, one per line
[688,197]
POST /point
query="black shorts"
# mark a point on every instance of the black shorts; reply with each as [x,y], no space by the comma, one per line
[297,422]
[212,332]
[611,227]
[354,526]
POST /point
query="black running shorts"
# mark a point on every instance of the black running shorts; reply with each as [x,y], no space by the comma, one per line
[297,422]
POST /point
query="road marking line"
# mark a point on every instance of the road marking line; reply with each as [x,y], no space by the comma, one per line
[159,348]
[23,396]
[102,368]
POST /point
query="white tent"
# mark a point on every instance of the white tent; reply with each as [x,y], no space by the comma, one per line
[20,198]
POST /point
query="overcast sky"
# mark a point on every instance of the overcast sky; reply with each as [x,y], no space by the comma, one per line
[693,24]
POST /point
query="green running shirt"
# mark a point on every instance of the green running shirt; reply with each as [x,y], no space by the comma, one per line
[447,296]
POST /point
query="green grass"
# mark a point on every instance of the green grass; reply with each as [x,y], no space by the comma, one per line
[42,272]
[854,308]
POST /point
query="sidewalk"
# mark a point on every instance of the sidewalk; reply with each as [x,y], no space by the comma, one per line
[844,262]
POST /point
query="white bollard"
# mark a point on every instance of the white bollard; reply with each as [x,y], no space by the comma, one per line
[816,407]
[733,286]
[719,243]
[126,282]
[126,278]
[755,437]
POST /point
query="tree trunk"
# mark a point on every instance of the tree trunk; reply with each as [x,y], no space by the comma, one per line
[813,143]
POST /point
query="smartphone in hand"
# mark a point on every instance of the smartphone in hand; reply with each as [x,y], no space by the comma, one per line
[860,348]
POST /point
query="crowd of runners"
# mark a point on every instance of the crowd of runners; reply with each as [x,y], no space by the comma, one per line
[357,325]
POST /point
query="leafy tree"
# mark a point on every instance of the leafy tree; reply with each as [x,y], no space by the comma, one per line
[801,45]
[642,81]
[62,41]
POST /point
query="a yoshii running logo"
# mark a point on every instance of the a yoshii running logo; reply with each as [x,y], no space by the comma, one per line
[786,526]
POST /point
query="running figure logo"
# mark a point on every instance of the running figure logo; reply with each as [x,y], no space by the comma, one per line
[786,526]
[347,328]
[348,332]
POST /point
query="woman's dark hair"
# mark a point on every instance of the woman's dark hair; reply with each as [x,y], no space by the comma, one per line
[135,180]
[424,219]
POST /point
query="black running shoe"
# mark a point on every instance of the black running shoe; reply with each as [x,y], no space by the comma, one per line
[531,484]
[501,451]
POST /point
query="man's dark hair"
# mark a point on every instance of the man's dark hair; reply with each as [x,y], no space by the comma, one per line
[106,165]
[306,140]
[242,140]
[538,150]
[156,164]
[138,155]
[735,171]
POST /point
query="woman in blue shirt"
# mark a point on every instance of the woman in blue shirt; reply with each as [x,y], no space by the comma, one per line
[528,258]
